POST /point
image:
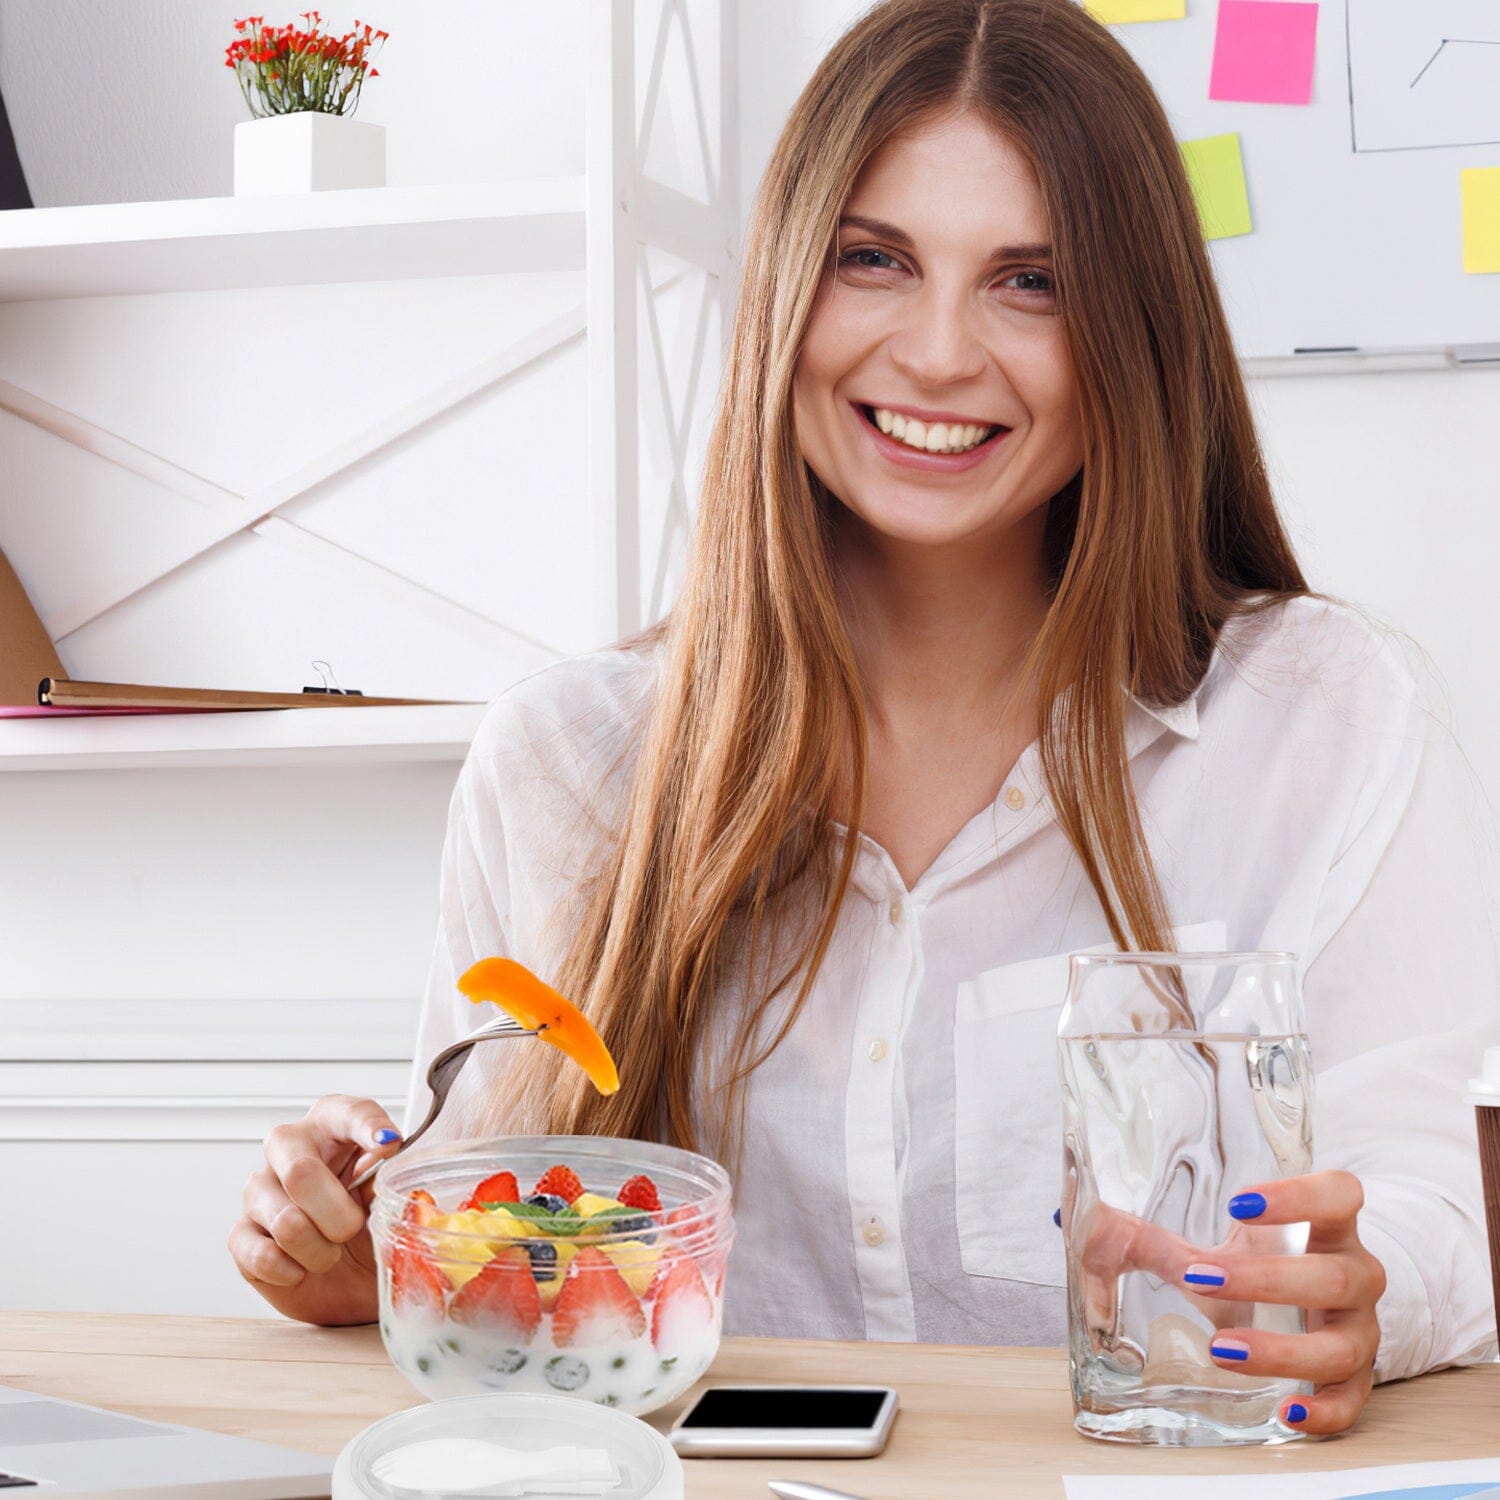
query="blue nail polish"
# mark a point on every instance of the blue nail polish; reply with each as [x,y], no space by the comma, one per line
[1222,1351]
[1296,1412]
[1247,1206]
[386,1135]
[1057,1217]
[1195,1279]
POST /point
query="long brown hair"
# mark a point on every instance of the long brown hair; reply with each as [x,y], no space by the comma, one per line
[757,726]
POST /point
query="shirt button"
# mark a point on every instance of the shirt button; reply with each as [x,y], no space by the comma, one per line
[877,1049]
[897,912]
[1015,798]
[874,1232]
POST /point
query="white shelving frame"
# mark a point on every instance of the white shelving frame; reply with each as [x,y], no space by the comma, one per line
[600,222]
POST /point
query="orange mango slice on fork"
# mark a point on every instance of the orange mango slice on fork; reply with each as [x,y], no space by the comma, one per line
[539,1007]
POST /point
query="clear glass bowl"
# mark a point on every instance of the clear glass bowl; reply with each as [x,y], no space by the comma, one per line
[627,1317]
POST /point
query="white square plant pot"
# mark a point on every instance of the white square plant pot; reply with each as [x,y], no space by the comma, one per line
[307,152]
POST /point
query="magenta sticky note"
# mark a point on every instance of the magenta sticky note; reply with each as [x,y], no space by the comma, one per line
[1264,51]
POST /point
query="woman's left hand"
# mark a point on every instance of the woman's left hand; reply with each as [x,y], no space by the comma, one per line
[1338,1281]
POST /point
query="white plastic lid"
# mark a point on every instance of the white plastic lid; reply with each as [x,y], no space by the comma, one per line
[1486,1088]
[649,1468]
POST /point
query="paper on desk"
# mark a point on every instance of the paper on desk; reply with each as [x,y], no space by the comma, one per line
[1468,1479]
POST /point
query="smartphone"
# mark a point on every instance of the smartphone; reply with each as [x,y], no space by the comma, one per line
[791,1421]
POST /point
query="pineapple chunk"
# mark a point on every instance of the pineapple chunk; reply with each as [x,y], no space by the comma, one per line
[498,1227]
[589,1204]
[463,1255]
[635,1260]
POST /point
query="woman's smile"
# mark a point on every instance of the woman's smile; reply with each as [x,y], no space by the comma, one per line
[937,447]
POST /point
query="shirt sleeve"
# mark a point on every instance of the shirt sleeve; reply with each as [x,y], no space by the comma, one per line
[1403,994]
[473,921]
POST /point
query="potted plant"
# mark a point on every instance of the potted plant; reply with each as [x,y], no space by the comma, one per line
[302,86]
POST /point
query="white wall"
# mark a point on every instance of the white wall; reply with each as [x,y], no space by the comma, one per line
[311,894]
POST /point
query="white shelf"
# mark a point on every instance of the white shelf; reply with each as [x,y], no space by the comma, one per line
[291,736]
[360,234]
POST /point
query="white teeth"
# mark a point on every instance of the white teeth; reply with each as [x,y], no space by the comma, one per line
[940,437]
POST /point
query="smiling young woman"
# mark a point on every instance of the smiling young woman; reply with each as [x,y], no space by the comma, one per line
[992,647]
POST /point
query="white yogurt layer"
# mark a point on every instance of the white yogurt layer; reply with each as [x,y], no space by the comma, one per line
[452,1359]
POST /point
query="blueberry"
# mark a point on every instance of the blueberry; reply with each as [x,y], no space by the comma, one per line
[565,1372]
[507,1362]
[550,1201]
[543,1259]
[640,1227]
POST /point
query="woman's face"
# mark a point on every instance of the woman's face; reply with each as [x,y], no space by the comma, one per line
[938,322]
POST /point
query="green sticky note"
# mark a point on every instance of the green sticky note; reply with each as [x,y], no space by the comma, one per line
[1117,12]
[1481,194]
[1217,171]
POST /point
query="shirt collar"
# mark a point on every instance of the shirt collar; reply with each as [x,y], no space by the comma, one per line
[1180,718]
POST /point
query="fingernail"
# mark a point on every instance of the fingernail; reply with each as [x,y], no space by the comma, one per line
[1057,1217]
[1247,1206]
[1229,1349]
[1205,1275]
[385,1135]
[1295,1412]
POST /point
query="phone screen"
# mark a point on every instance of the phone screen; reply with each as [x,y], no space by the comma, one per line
[813,1408]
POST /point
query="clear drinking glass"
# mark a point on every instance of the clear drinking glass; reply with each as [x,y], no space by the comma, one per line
[1186,1079]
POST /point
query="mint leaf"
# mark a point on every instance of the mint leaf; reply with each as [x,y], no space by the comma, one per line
[566,1222]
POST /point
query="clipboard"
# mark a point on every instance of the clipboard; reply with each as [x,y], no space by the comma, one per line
[35,684]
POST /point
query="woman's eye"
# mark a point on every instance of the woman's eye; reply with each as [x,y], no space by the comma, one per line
[1031,281]
[861,258]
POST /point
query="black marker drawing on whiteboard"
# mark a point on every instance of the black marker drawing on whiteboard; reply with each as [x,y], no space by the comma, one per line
[1422,77]
[1454,41]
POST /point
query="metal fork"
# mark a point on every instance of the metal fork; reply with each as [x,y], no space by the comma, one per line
[446,1067]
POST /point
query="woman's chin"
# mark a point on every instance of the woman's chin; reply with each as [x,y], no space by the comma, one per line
[928,522]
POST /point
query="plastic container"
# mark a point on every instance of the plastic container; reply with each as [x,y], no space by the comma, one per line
[628,1317]
[649,1469]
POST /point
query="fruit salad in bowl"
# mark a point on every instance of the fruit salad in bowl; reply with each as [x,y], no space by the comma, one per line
[579,1265]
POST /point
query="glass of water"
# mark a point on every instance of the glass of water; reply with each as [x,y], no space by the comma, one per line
[1186,1078]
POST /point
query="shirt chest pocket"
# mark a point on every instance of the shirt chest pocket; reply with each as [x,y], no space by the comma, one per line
[1007,1137]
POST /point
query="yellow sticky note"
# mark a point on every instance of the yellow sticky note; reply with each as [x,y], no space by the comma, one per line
[1217,171]
[1481,190]
[1117,12]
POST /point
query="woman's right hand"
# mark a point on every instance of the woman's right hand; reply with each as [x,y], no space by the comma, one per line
[303,1241]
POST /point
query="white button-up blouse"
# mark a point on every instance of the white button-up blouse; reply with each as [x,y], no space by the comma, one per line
[1307,798]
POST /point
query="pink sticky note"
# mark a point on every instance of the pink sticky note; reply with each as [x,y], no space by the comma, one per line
[1264,50]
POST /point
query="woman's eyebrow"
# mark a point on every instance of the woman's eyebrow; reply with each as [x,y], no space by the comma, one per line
[900,237]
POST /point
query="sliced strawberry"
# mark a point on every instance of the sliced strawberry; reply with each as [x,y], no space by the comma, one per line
[683,1308]
[595,1305]
[501,1188]
[417,1286]
[640,1192]
[687,1219]
[502,1299]
[420,1208]
[669,1258]
[561,1182]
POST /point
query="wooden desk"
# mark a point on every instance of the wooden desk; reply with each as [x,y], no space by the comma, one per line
[975,1424]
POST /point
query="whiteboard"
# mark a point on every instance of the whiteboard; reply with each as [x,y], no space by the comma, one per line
[1358,237]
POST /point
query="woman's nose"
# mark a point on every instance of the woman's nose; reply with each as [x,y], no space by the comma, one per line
[937,345]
